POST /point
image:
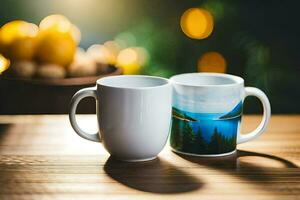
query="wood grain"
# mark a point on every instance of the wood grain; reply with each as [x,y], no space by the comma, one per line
[42,158]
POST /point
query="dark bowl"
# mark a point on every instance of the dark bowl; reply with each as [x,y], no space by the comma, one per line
[46,96]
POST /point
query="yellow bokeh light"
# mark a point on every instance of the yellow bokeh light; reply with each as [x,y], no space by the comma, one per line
[143,55]
[212,62]
[101,54]
[113,48]
[128,60]
[197,23]
[4,64]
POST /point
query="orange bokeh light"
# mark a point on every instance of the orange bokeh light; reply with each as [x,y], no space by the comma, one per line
[212,62]
[197,23]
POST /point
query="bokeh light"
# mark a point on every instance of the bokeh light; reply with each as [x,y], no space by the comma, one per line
[197,23]
[212,62]
[128,60]
[101,54]
[113,48]
[125,40]
[217,9]
[143,55]
[4,64]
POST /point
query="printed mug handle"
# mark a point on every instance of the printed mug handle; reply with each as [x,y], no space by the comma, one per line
[78,96]
[251,91]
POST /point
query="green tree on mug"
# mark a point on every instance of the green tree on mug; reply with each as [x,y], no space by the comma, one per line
[188,137]
[200,144]
[176,139]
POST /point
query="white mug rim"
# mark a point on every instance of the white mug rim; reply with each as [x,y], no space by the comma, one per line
[101,82]
[236,79]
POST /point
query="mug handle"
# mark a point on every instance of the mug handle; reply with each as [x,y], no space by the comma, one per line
[251,91]
[78,96]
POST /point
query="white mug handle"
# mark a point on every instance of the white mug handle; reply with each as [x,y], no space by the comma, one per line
[78,96]
[251,91]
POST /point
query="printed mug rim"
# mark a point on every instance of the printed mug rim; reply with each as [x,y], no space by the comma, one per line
[236,79]
[101,82]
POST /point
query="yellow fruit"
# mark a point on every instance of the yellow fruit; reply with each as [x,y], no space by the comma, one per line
[57,22]
[75,33]
[18,40]
[4,64]
[61,24]
[51,71]
[23,69]
[58,48]
[21,49]
[1,43]
[83,65]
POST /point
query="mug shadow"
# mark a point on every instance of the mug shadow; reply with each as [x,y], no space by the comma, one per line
[156,176]
[253,171]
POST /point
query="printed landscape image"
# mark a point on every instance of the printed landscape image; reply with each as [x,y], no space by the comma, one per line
[205,133]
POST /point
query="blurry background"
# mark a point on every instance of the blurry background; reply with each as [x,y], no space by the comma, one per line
[257,40]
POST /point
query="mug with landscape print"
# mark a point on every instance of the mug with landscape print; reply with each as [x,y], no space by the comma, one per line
[207,111]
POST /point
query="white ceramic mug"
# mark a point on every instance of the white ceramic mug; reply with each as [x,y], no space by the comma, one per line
[207,111]
[134,115]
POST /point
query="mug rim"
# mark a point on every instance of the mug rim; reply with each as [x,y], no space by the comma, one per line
[236,79]
[100,82]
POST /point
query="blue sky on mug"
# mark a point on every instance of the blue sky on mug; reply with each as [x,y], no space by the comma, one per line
[207,100]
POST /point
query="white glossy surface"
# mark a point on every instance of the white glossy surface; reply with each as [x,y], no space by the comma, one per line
[134,115]
[251,91]
[207,92]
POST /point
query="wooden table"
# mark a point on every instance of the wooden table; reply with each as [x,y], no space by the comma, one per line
[42,158]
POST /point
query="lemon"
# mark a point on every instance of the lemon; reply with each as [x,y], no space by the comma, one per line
[61,24]
[51,71]
[18,40]
[55,22]
[1,43]
[23,69]
[4,64]
[55,47]
[21,49]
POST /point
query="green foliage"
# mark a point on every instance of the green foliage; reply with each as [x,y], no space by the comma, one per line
[221,144]
[200,143]
[176,135]
[183,138]
[188,137]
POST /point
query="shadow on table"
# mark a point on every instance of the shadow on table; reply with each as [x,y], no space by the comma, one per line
[3,128]
[157,176]
[258,171]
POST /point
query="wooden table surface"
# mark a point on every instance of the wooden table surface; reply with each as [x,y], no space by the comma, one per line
[42,158]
